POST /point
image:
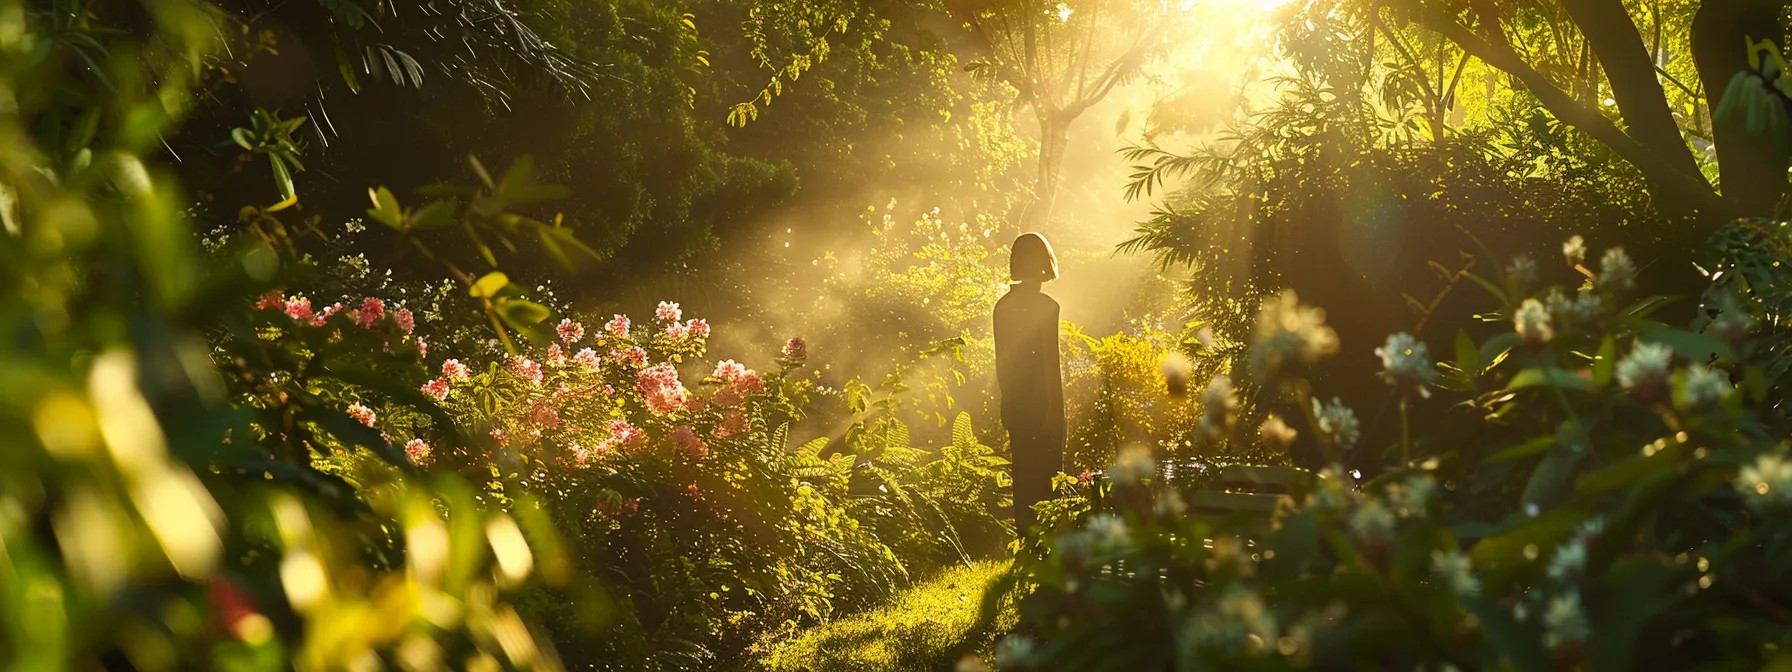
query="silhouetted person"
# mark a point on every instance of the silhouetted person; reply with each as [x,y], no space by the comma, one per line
[1026,334]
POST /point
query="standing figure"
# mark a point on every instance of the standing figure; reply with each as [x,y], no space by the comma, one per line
[1026,335]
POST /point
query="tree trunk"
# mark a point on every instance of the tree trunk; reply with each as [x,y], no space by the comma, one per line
[1618,48]
[1054,136]
[1751,166]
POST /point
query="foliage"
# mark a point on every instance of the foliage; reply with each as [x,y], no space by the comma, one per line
[1604,496]
[925,626]
[162,506]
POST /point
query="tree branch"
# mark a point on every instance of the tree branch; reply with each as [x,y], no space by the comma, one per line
[1588,120]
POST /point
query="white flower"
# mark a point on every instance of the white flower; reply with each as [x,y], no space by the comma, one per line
[1106,530]
[1532,322]
[1646,366]
[1405,360]
[1616,271]
[1290,332]
[1372,520]
[1704,386]
[1337,422]
[1587,307]
[1563,620]
[1767,482]
[1275,434]
[1412,497]
[1523,270]
[1457,572]
[1132,465]
[1574,250]
[1014,652]
[1569,560]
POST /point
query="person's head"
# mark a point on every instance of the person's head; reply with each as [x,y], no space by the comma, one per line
[1031,259]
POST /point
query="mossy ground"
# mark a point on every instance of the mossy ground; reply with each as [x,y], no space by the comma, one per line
[929,626]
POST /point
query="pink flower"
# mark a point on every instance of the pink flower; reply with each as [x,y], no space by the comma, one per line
[734,423]
[361,414]
[587,358]
[570,331]
[750,383]
[688,443]
[498,434]
[661,390]
[526,369]
[545,416]
[698,327]
[729,370]
[299,309]
[417,450]
[556,358]
[436,389]
[454,370]
[727,396]
[632,356]
[332,309]
[422,347]
[618,326]
[404,319]
[675,331]
[270,300]
[668,312]
[622,434]
[372,310]
[795,350]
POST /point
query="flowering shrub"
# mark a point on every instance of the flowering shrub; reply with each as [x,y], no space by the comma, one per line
[1611,491]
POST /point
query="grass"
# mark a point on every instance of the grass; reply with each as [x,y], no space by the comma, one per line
[929,626]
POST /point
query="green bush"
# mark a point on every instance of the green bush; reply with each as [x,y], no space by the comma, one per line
[1606,495]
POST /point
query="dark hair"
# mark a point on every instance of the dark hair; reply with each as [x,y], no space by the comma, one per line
[1031,258]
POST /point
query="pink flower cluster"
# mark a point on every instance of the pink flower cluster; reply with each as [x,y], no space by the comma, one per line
[370,312]
[436,389]
[544,415]
[586,359]
[629,507]
[737,381]
[661,390]
[570,331]
[618,326]
[454,370]
[734,423]
[406,322]
[795,351]
[556,357]
[632,356]
[526,369]
[668,312]
[689,443]
[417,450]
[622,436]
[361,414]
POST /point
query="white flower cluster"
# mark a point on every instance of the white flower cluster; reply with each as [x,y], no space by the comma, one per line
[1767,482]
[1703,387]
[1584,307]
[1132,465]
[1014,652]
[1372,520]
[1457,572]
[1532,322]
[1288,332]
[1564,620]
[1337,422]
[1275,434]
[1574,250]
[1616,271]
[1239,618]
[1523,270]
[1219,410]
[1406,361]
[1646,367]
[1412,498]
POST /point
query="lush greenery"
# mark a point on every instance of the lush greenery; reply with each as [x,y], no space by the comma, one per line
[348,335]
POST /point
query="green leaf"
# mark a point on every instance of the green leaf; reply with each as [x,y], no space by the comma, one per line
[1548,377]
[434,215]
[813,447]
[1551,477]
[1467,358]
[520,176]
[489,286]
[1691,345]
[241,136]
[1526,449]
[520,312]
[1489,286]
[282,178]
[962,434]
[1603,363]
[385,208]
[1494,348]
[479,169]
